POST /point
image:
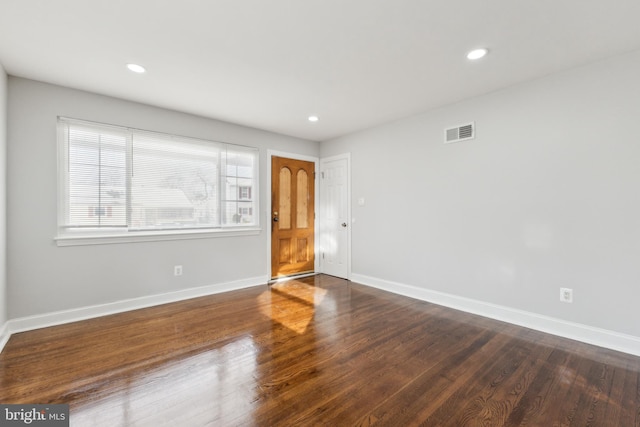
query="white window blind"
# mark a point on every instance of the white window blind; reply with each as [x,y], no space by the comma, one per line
[128,180]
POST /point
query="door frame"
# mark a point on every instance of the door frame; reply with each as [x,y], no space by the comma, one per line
[321,201]
[316,195]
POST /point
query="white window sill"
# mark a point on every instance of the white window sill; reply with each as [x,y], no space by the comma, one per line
[71,239]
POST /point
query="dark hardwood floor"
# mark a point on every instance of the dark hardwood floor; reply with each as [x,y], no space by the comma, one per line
[316,351]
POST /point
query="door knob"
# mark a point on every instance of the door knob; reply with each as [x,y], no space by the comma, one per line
[275,217]
[344,224]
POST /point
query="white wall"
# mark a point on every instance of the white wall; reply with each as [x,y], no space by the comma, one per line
[44,278]
[3,200]
[546,196]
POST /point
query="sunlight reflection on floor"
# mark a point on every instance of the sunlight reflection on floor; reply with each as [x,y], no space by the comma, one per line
[292,304]
[201,383]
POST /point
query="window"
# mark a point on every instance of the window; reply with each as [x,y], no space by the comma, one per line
[100,211]
[121,181]
[244,193]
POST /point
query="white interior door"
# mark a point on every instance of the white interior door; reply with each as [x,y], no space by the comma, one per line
[335,216]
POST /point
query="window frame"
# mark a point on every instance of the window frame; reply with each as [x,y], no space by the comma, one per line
[71,236]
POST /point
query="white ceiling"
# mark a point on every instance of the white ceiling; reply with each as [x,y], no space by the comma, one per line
[271,63]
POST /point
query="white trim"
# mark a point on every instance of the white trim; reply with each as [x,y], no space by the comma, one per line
[316,240]
[324,160]
[290,278]
[5,334]
[271,153]
[73,234]
[29,323]
[152,236]
[575,331]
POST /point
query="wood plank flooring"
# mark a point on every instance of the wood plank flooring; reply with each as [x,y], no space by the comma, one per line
[316,351]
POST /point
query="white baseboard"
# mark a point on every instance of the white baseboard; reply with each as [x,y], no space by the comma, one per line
[575,331]
[4,335]
[29,323]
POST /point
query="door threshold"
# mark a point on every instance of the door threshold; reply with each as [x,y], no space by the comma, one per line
[291,277]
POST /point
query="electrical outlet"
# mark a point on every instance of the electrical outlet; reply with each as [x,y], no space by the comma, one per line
[177,270]
[566,295]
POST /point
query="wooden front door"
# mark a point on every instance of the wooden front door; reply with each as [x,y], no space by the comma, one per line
[292,216]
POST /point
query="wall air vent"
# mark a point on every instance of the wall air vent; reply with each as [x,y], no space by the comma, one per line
[460,133]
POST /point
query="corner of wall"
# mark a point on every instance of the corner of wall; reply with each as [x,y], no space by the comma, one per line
[4,330]
[5,334]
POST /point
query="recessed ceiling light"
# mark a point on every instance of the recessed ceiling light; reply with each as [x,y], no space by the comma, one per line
[313,118]
[136,68]
[477,54]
